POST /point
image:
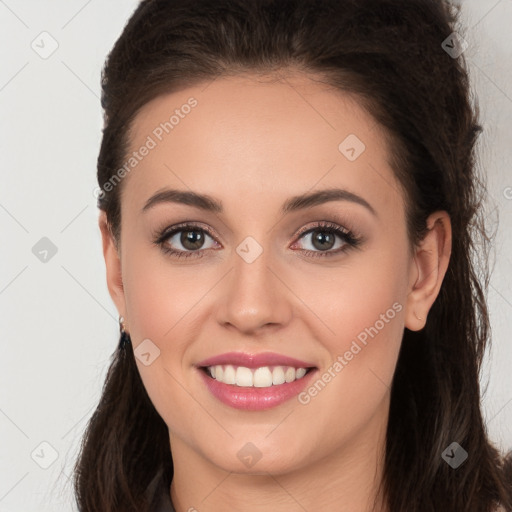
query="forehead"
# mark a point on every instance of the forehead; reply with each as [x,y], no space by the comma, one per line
[249,135]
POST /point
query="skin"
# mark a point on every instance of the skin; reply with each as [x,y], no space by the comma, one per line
[252,144]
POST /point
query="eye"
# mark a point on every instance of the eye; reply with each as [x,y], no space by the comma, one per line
[190,237]
[322,240]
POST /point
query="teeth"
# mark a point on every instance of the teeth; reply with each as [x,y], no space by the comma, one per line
[229,376]
[278,375]
[243,376]
[262,377]
[289,374]
[300,372]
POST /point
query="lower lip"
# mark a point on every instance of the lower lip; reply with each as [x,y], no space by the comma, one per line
[255,399]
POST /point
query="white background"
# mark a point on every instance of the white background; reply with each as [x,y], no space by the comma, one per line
[58,323]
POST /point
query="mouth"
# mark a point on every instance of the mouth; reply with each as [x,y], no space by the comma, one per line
[255,382]
[261,377]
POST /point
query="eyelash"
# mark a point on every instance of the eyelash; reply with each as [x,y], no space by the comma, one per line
[349,238]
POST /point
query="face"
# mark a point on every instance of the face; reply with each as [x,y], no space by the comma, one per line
[262,279]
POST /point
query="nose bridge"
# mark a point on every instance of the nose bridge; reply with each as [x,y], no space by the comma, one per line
[253,296]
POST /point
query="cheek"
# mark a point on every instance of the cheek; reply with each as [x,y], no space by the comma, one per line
[162,302]
[366,294]
[160,296]
[361,309]
[354,385]
[159,306]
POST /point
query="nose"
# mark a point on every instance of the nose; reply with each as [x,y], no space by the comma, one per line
[253,298]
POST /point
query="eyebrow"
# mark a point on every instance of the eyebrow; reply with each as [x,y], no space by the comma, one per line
[300,202]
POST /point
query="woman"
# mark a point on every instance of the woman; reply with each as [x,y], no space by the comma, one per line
[289,211]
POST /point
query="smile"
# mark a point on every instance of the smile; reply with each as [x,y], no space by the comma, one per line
[255,382]
[262,377]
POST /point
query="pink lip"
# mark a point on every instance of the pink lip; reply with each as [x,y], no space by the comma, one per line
[254,360]
[255,399]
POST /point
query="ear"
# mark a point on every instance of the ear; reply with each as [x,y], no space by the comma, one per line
[113,266]
[431,258]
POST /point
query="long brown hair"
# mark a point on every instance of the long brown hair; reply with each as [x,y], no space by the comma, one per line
[390,54]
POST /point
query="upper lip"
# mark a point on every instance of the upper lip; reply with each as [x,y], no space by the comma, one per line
[254,360]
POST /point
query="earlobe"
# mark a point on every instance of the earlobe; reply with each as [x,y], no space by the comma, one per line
[112,264]
[431,259]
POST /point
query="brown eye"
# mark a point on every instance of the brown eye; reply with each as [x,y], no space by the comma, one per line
[185,240]
[192,240]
